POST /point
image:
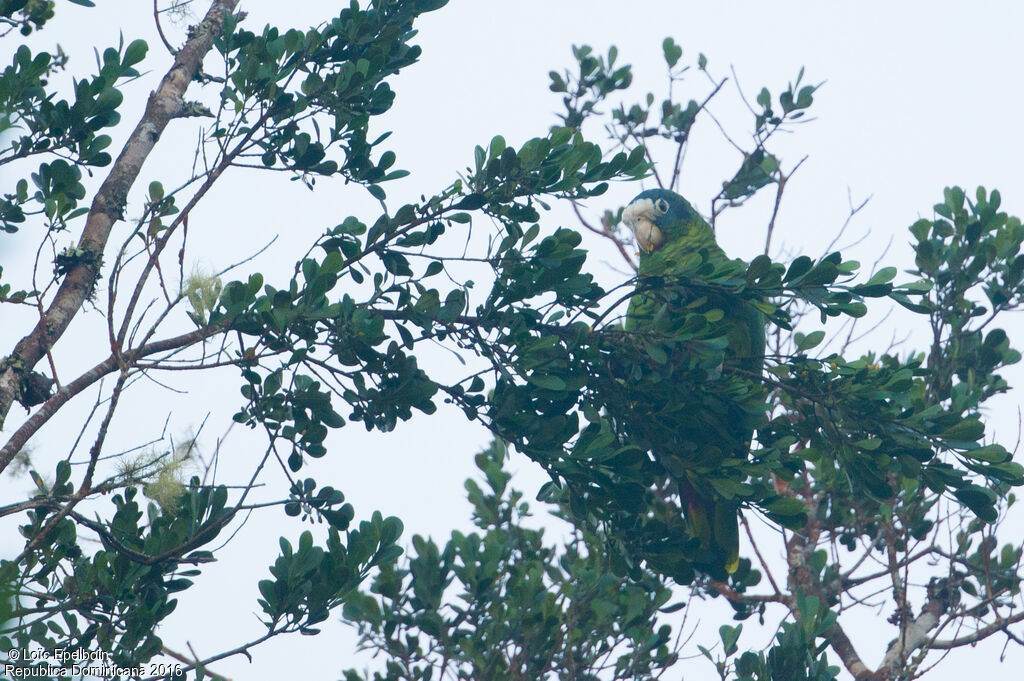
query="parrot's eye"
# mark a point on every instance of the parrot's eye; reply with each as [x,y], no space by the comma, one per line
[661,205]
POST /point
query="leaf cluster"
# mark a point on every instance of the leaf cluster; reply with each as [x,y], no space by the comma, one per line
[504,603]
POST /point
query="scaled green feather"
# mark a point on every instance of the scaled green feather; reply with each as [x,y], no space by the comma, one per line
[696,434]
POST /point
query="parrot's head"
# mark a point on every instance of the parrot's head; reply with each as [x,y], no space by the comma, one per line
[659,216]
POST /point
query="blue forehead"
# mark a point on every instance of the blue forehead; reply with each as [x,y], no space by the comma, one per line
[678,207]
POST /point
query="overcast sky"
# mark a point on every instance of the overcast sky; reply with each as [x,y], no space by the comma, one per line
[917,96]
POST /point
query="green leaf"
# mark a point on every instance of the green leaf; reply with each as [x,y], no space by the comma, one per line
[471,202]
[883,276]
[546,381]
[809,607]
[671,51]
[980,500]
[729,636]
[989,454]
[968,430]
[809,341]
[764,98]
[497,146]
[134,53]
[785,506]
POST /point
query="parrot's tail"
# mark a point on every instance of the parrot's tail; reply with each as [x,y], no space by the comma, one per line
[715,523]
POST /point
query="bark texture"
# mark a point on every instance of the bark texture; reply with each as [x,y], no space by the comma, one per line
[165,103]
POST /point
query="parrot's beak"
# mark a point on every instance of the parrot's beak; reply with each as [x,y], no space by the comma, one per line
[638,216]
[648,237]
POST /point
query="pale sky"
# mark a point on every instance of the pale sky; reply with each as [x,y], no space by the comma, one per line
[918,96]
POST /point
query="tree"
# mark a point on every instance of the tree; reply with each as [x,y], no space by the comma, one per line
[522,608]
[874,453]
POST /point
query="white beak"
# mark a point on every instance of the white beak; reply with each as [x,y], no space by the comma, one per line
[638,217]
[648,237]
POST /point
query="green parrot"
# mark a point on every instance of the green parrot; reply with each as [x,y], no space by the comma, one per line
[705,421]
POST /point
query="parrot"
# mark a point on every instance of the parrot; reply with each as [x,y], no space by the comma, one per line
[703,423]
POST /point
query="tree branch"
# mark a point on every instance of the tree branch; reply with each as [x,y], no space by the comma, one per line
[915,633]
[843,646]
[979,635]
[164,104]
[107,366]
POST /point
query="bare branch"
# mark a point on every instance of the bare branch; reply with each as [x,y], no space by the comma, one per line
[107,366]
[165,103]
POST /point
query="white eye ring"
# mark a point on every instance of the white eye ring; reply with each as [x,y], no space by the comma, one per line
[661,206]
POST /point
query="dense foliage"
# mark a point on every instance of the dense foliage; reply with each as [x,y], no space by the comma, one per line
[860,460]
